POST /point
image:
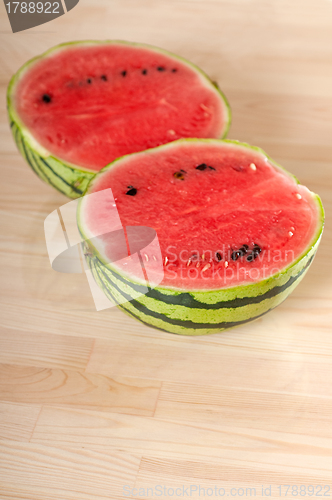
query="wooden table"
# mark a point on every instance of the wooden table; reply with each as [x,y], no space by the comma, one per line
[94,404]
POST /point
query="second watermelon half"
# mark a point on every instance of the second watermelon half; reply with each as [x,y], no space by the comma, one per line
[236,232]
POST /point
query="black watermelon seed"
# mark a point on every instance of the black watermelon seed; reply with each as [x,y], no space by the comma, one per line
[211,168]
[132,191]
[104,78]
[179,175]
[144,71]
[202,166]
[174,70]
[181,170]
[256,250]
[89,81]
[123,73]
[254,253]
[218,256]
[243,250]
[161,68]
[235,255]
[47,98]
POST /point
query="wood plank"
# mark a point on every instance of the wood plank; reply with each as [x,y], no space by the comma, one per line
[258,356]
[17,421]
[33,472]
[281,411]
[152,436]
[226,477]
[38,349]
[73,389]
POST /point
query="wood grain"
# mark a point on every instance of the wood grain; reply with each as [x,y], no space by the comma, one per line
[93,401]
[244,407]
[244,472]
[17,422]
[36,472]
[68,388]
[44,350]
[259,356]
[144,435]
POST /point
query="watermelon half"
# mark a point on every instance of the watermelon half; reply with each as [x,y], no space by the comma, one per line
[237,233]
[81,105]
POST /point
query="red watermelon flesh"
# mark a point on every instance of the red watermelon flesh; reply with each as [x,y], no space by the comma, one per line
[91,103]
[224,213]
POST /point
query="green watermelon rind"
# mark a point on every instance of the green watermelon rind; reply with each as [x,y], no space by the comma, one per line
[199,312]
[68,178]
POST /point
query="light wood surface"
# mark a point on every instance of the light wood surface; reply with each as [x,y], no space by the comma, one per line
[93,401]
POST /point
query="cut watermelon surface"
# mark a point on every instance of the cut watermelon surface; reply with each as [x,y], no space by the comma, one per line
[81,105]
[236,233]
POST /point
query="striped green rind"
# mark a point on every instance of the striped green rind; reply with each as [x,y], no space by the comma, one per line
[199,312]
[201,319]
[67,179]
[72,180]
